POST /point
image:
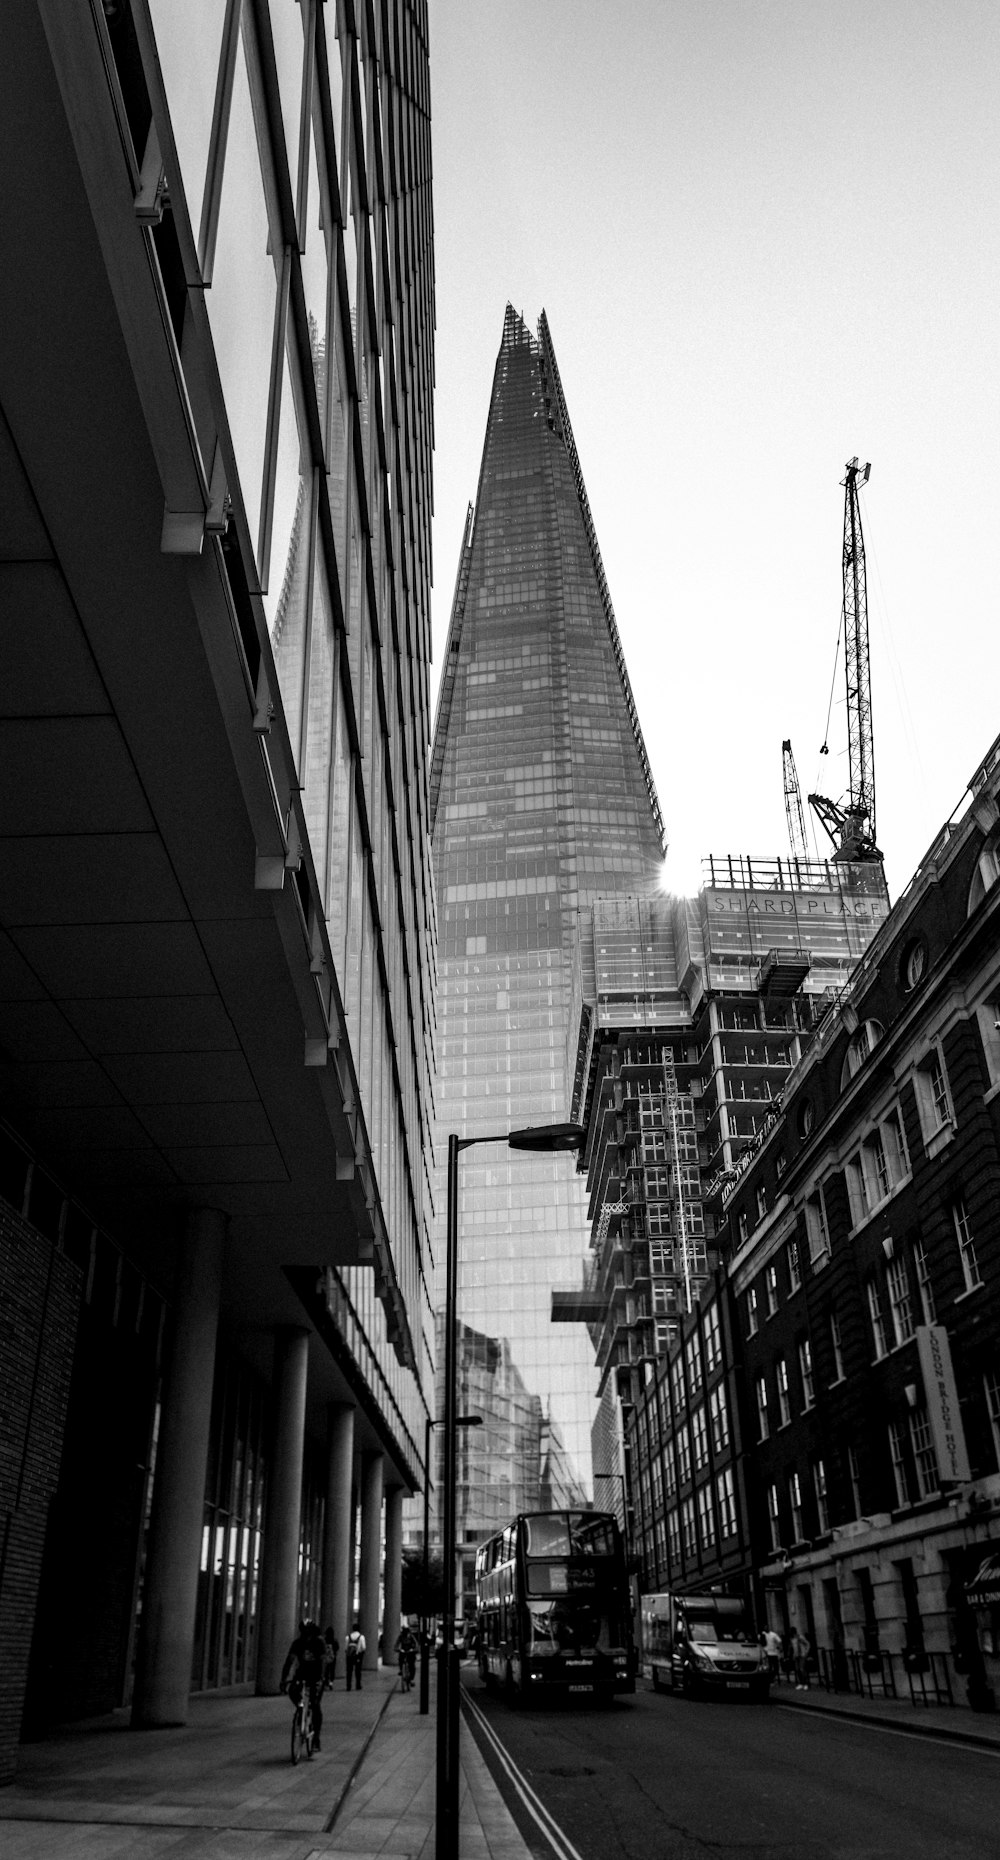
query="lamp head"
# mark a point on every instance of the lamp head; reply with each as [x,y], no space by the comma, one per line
[548,1137]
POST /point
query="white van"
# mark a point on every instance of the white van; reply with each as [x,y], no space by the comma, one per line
[702,1644]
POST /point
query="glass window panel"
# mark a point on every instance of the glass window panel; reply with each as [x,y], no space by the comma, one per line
[329,27]
[288,19]
[315,231]
[340,818]
[355,920]
[286,602]
[189,44]
[320,722]
[242,297]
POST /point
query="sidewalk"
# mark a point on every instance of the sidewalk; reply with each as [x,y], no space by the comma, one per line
[223,1787]
[953,1722]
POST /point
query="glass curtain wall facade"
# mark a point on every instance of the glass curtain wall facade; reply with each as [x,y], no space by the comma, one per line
[300,133]
[541,801]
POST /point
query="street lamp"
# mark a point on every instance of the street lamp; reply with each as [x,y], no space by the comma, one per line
[463,1420]
[541,1137]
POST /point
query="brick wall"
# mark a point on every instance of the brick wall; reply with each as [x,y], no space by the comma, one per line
[39,1309]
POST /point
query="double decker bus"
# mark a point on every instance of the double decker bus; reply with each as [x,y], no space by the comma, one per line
[553,1610]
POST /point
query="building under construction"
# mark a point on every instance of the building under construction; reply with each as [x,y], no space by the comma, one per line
[690,1013]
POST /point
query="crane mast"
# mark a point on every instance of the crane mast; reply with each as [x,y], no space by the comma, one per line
[793,804]
[851,824]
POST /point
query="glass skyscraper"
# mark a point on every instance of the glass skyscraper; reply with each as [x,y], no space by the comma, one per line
[541,801]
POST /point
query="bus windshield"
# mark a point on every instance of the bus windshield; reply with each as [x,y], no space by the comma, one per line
[568,1534]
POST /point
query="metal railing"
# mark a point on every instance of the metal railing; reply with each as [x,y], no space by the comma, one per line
[882,1675]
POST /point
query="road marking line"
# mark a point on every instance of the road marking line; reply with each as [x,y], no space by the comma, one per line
[558,1841]
[893,1730]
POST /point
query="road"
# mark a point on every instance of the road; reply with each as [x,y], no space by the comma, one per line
[658,1778]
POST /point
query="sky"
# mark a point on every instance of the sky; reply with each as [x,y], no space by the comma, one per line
[766,234]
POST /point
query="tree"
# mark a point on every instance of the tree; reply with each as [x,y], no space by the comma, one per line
[415,1599]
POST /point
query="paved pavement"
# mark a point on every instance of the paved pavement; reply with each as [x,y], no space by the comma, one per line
[223,1787]
[955,1723]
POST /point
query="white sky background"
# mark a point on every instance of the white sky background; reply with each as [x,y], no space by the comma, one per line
[765,233]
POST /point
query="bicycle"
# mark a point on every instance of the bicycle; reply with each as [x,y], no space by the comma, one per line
[407,1668]
[303,1733]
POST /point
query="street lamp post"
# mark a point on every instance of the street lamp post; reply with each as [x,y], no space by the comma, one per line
[543,1137]
[463,1420]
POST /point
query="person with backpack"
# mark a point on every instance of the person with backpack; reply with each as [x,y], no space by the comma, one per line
[355,1653]
[305,1665]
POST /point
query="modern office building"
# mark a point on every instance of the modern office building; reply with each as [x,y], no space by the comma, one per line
[541,800]
[216,907]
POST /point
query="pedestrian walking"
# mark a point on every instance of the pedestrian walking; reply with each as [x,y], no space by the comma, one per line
[772,1649]
[801,1651]
[355,1654]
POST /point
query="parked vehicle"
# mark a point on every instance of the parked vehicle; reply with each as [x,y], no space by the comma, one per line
[702,1644]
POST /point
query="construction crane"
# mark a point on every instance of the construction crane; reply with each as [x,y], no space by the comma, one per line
[793,804]
[851,824]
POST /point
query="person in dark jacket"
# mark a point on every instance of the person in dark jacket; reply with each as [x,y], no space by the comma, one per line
[332,1650]
[305,1665]
[355,1654]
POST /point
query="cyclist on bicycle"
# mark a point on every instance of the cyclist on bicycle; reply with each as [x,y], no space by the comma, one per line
[406,1647]
[305,1665]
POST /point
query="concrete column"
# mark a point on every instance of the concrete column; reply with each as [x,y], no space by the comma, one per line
[393,1578]
[279,1588]
[170,1596]
[339,1519]
[372,1467]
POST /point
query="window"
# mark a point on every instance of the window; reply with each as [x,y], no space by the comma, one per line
[666,1332]
[838,1355]
[821,1495]
[706,1517]
[987,871]
[661,1258]
[687,1520]
[877,1320]
[669,1470]
[898,1463]
[677,1385]
[806,1372]
[878,1168]
[913,966]
[742,1226]
[659,1220]
[862,1045]
[712,1340]
[928,1309]
[719,1415]
[795,1501]
[854,1473]
[761,1202]
[699,1438]
[771,1286]
[727,1502]
[900,1310]
[933,1099]
[794,1274]
[991,1386]
[683,1456]
[774,1522]
[988,1014]
[966,1248]
[664,1297]
[923,1452]
[817,1228]
[674,1535]
[692,1357]
[784,1400]
[763,1428]
[752,1311]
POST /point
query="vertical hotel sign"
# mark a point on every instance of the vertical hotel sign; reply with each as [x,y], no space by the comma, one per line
[943,1411]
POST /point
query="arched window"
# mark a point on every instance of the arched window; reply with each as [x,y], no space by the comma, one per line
[864,1042]
[987,870]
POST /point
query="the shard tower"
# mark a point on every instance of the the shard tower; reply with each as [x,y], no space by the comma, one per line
[541,801]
